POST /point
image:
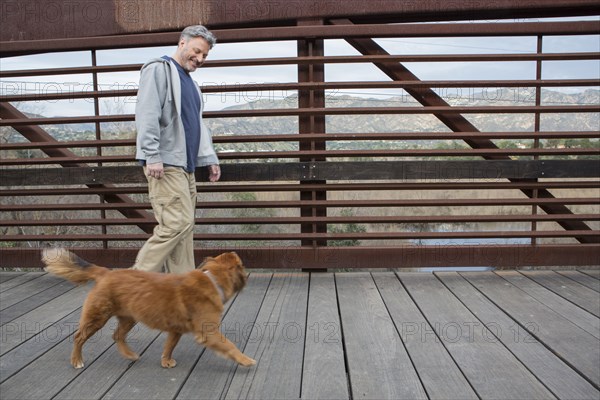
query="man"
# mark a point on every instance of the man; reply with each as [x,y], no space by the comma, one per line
[172,141]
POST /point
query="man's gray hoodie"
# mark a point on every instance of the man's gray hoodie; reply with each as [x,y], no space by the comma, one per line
[160,133]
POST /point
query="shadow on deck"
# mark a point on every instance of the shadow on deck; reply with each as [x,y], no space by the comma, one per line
[447,335]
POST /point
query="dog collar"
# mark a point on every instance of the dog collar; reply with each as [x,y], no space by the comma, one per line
[217,286]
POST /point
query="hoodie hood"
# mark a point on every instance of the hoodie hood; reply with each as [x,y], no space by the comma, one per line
[160,133]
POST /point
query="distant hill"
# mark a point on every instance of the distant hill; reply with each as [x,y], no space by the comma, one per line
[420,123]
[379,122]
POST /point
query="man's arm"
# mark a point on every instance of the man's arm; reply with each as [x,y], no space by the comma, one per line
[148,110]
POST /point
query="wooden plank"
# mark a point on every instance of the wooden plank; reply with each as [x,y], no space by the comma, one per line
[324,372]
[558,377]
[19,293]
[594,273]
[111,366]
[50,373]
[276,342]
[148,380]
[440,375]
[575,346]
[33,302]
[28,325]
[212,375]
[20,356]
[19,280]
[146,377]
[378,364]
[582,279]
[584,297]
[490,368]
[6,276]
[566,309]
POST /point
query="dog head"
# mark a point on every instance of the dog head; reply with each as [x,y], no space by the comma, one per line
[231,265]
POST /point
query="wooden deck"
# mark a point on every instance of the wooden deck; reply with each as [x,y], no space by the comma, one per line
[448,335]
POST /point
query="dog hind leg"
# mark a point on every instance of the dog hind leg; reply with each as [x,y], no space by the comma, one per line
[125,325]
[166,360]
[87,327]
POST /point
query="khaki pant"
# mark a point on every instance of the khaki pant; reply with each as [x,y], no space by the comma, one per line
[171,246]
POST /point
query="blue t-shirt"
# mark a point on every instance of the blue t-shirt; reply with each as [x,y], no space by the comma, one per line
[190,115]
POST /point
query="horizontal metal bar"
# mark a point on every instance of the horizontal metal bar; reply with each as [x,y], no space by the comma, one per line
[330,59]
[69,144]
[295,137]
[238,87]
[445,110]
[278,236]
[399,256]
[244,62]
[82,222]
[313,203]
[249,34]
[68,160]
[434,84]
[304,220]
[67,120]
[467,152]
[251,155]
[410,30]
[328,170]
[91,69]
[454,185]
[403,59]
[132,93]
[282,112]
[330,137]
[431,58]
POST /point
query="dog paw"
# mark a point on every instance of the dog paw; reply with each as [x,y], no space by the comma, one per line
[168,363]
[77,364]
[247,362]
[132,356]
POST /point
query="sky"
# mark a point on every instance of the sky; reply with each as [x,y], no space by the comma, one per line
[288,73]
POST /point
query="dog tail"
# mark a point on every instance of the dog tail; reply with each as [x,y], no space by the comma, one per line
[67,265]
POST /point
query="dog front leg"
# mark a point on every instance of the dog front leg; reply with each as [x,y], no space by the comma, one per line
[166,361]
[125,325]
[223,347]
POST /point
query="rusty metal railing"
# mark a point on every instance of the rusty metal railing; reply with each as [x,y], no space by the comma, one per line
[321,198]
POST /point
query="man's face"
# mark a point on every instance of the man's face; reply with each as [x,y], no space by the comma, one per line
[191,53]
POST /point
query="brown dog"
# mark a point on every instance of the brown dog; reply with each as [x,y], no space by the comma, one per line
[177,304]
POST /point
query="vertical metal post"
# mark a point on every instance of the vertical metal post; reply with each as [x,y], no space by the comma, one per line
[312,98]
[536,128]
[98,137]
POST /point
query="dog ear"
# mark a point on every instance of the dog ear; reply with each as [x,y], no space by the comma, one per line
[203,263]
[231,259]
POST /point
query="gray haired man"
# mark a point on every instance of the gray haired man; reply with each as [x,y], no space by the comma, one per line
[172,141]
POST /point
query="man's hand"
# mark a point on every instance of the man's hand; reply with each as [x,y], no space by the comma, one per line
[156,170]
[214,173]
